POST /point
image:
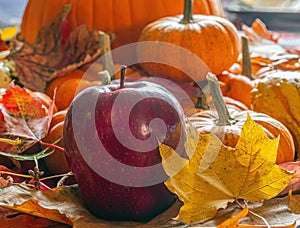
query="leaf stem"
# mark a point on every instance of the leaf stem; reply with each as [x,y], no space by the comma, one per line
[218,100]
[11,141]
[253,213]
[23,184]
[16,174]
[52,145]
[56,176]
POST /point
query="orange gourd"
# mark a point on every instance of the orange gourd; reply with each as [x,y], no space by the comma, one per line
[277,94]
[227,123]
[188,46]
[123,18]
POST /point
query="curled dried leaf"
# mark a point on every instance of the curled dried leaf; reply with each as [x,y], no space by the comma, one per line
[55,52]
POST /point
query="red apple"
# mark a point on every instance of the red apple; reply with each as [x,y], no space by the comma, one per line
[111,136]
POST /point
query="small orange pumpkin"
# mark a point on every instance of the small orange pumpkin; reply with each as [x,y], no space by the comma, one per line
[67,87]
[191,43]
[231,121]
[56,163]
[238,87]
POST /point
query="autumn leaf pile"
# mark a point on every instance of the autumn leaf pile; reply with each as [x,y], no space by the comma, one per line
[216,185]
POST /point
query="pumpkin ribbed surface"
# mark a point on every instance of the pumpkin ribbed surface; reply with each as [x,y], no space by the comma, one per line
[124,18]
[278,95]
[178,39]
[227,123]
[206,122]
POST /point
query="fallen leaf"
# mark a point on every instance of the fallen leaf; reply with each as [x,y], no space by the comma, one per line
[23,119]
[20,103]
[276,211]
[5,182]
[294,203]
[261,31]
[293,225]
[294,184]
[233,222]
[216,175]
[64,205]
[267,50]
[8,33]
[6,172]
[12,218]
[55,52]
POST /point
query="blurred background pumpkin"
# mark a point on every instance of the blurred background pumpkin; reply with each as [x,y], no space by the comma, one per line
[125,19]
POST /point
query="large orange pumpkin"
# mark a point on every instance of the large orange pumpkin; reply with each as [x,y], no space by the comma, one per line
[227,123]
[124,18]
[188,46]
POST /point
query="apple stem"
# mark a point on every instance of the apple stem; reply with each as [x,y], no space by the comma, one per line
[122,77]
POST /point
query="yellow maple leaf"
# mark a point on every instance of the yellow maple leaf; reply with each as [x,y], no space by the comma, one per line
[215,174]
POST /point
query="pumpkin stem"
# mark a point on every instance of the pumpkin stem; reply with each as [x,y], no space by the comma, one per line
[122,77]
[107,59]
[218,100]
[246,60]
[187,12]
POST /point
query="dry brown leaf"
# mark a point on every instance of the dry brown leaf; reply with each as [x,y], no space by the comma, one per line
[276,211]
[55,52]
[294,184]
[5,182]
[265,49]
[294,203]
[65,205]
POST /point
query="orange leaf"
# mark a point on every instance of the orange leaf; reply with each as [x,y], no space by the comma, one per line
[233,222]
[32,207]
[5,182]
[23,118]
[20,103]
[55,52]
